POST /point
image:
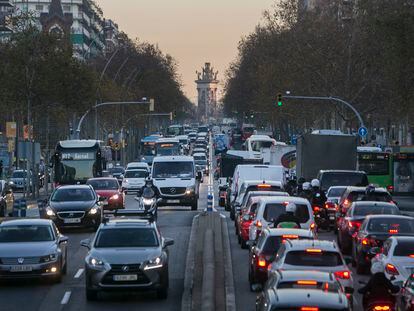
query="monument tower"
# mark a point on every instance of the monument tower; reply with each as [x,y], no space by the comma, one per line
[207,92]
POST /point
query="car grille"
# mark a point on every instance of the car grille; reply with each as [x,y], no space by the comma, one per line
[119,270]
[63,215]
[15,261]
[173,190]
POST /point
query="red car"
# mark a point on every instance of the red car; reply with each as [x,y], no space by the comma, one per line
[109,188]
[245,219]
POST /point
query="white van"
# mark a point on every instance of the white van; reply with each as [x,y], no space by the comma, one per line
[270,208]
[177,180]
[259,142]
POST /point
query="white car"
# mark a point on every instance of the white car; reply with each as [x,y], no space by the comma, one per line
[270,208]
[134,180]
[317,255]
[334,194]
[138,165]
[397,258]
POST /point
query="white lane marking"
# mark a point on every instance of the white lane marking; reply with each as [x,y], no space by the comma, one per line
[65,298]
[79,273]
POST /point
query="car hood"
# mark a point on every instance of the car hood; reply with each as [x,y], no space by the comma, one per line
[288,298]
[106,193]
[135,180]
[30,249]
[174,182]
[72,206]
[126,255]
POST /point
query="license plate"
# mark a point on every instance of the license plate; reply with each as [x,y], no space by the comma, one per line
[72,220]
[125,277]
[331,217]
[173,201]
[21,269]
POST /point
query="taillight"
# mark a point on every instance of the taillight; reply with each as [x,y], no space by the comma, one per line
[330,205]
[258,223]
[309,309]
[391,269]
[382,308]
[393,231]
[313,226]
[261,262]
[307,282]
[347,203]
[354,224]
[368,241]
[345,275]
[390,188]
[316,208]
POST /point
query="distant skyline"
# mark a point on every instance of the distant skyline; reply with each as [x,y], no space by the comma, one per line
[191,31]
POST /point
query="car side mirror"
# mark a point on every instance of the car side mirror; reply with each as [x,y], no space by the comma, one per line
[168,242]
[86,243]
[63,239]
[374,251]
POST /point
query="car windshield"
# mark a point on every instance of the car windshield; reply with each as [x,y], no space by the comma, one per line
[117,170]
[331,287]
[136,174]
[19,175]
[104,184]
[315,259]
[355,196]
[364,210]
[274,210]
[336,192]
[200,158]
[273,243]
[72,195]
[173,170]
[26,233]
[404,248]
[391,225]
[126,237]
[330,179]
[258,145]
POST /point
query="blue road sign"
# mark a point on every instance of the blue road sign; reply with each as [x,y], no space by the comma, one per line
[362,131]
[294,140]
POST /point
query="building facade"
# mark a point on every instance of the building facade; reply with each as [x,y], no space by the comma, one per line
[6,9]
[207,84]
[87,31]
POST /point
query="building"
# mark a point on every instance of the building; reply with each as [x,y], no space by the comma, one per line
[87,31]
[6,9]
[207,92]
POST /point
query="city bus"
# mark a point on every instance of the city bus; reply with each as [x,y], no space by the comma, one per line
[147,148]
[378,166]
[75,161]
[167,147]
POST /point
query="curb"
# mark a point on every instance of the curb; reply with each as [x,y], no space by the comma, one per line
[186,300]
[228,268]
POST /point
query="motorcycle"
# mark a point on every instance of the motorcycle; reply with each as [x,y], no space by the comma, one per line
[387,303]
[320,213]
[148,207]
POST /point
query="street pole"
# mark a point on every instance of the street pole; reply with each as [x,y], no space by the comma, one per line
[330,98]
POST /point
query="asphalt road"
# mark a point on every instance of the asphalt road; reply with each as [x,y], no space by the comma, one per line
[174,222]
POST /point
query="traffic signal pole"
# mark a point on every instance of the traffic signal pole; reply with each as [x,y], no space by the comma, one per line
[331,99]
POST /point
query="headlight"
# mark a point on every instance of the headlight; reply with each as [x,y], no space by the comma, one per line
[95,262]
[189,190]
[50,212]
[49,258]
[11,182]
[155,263]
[147,201]
[114,197]
[126,181]
[143,159]
[93,211]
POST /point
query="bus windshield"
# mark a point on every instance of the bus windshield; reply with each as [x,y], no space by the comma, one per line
[374,166]
[175,131]
[168,149]
[148,150]
[76,166]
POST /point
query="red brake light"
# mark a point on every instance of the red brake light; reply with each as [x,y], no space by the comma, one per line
[290,236]
[390,188]
[382,308]
[309,309]
[345,275]
[316,208]
[330,205]
[393,231]
[354,224]
[258,223]
[391,269]
[365,241]
[306,282]
[264,186]
[411,256]
[313,250]
[313,226]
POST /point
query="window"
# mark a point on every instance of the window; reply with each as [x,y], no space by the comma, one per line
[330,179]
[336,192]
[404,248]
[26,233]
[274,210]
[322,259]
[364,210]
[66,8]
[72,195]
[39,7]
[127,237]
[374,167]
[136,174]
[104,184]
[391,225]
[173,170]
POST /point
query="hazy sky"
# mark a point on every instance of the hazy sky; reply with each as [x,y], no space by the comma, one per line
[192,31]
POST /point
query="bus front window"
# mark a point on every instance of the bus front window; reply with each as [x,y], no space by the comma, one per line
[148,151]
[80,170]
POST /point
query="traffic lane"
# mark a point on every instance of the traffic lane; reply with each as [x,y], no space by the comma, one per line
[245,299]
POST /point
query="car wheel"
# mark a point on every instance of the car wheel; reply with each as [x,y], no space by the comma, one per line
[91,295]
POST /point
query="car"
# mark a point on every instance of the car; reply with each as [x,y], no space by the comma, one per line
[397,257]
[6,199]
[127,254]
[75,206]
[334,193]
[32,248]
[329,178]
[348,225]
[192,136]
[134,180]
[264,251]
[304,291]
[270,208]
[201,160]
[373,232]
[313,254]
[177,181]
[199,150]
[405,299]
[138,166]
[18,180]
[109,189]
[253,185]
[117,172]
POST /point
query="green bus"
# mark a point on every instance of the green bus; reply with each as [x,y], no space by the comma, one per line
[378,166]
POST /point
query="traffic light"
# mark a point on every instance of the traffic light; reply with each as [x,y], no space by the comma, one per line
[279,100]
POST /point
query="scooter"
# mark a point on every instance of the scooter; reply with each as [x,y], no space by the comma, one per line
[149,207]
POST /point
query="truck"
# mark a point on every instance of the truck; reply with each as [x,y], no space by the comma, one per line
[317,152]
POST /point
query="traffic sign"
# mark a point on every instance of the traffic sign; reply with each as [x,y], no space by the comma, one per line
[362,131]
[294,140]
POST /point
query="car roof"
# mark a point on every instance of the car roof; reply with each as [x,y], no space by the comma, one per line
[27,221]
[102,178]
[260,182]
[74,187]
[277,199]
[294,275]
[168,140]
[128,222]
[173,159]
[137,164]
[402,238]
[341,171]
[284,231]
[318,244]
[353,188]
[369,217]
[374,203]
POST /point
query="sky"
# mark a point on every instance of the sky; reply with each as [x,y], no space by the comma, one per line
[192,31]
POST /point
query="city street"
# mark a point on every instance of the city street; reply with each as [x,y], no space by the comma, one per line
[173,223]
